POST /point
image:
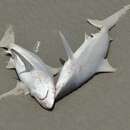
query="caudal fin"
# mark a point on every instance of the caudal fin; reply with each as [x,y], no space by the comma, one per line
[8,38]
[110,21]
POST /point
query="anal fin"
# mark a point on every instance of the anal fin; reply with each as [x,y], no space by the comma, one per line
[106,67]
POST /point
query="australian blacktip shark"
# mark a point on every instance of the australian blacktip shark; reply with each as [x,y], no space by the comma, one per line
[90,58]
[36,78]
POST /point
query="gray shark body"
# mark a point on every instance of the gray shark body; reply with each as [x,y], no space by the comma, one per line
[89,59]
[36,77]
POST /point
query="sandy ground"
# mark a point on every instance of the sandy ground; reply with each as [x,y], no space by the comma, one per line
[104,102]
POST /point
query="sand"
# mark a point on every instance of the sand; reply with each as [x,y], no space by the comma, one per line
[101,104]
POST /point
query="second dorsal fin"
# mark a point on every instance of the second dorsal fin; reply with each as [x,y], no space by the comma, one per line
[36,47]
[66,46]
[86,36]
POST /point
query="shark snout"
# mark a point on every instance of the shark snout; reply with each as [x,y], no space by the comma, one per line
[47,103]
[46,100]
[50,104]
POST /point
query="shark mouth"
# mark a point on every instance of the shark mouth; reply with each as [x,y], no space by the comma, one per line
[41,99]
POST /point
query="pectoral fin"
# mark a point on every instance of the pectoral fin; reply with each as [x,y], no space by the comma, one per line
[18,90]
[106,67]
[18,57]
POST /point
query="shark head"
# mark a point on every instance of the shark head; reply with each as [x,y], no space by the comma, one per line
[43,90]
[44,96]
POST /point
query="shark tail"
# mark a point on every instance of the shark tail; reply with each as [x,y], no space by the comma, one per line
[8,38]
[110,21]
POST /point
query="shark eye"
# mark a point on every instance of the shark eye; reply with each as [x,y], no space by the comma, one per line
[91,35]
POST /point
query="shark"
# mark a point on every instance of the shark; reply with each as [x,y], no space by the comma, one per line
[36,77]
[90,58]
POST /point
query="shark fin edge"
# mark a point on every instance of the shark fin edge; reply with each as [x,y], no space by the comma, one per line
[66,46]
[8,38]
[95,22]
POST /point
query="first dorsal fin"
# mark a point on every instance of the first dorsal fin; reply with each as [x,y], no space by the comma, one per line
[86,36]
[66,46]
